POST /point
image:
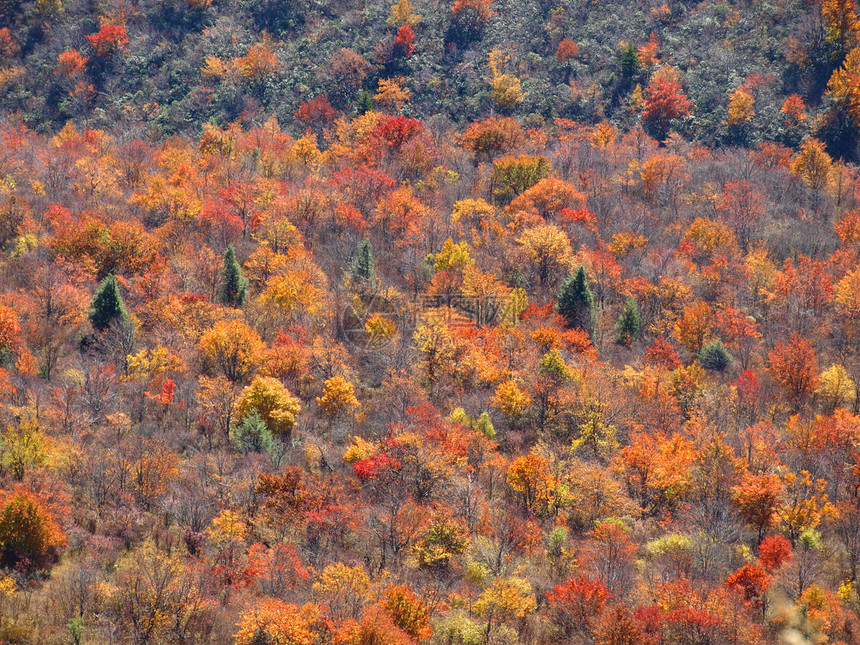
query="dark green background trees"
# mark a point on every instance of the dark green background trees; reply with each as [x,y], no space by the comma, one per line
[187,63]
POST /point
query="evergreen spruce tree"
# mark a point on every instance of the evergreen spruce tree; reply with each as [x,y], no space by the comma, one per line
[363,269]
[629,62]
[364,103]
[576,302]
[627,327]
[107,305]
[234,286]
[714,356]
[252,434]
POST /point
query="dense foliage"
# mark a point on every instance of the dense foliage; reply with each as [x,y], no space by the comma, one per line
[726,72]
[504,384]
[461,324]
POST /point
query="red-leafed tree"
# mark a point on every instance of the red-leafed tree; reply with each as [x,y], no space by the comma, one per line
[794,366]
[664,101]
[753,581]
[757,498]
[316,111]
[773,552]
[109,40]
[404,43]
[577,602]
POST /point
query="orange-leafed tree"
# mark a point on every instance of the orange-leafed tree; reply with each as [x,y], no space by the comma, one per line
[566,50]
[531,477]
[618,626]
[794,109]
[757,498]
[547,199]
[259,62]
[803,290]
[794,366]
[493,136]
[608,555]
[10,331]
[30,536]
[277,622]
[376,626]
[408,611]
[71,63]
[694,326]
[813,164]
[753,581]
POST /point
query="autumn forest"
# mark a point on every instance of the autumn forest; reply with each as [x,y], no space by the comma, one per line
[375,322]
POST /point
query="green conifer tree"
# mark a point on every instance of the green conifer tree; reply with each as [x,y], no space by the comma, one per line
[629,322]
[576,302]
[363,269]
[107,305]
[234,286]
[364,103]
[629,62]
[714,356]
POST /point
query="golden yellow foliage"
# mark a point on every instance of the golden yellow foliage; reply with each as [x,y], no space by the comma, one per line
[636,102]
[233,347]
[392,94]
[741,107]
[507,90]
[153,362]
[507,599]
[274,403]
[343,588]
[338,397]
[359,449]
[510,400]
[403,14]
[847,295]
[836,387]
[548,247]
[453,257]
[813,164]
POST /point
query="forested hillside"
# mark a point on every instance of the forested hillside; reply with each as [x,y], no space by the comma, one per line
[485,323]
[752,71]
